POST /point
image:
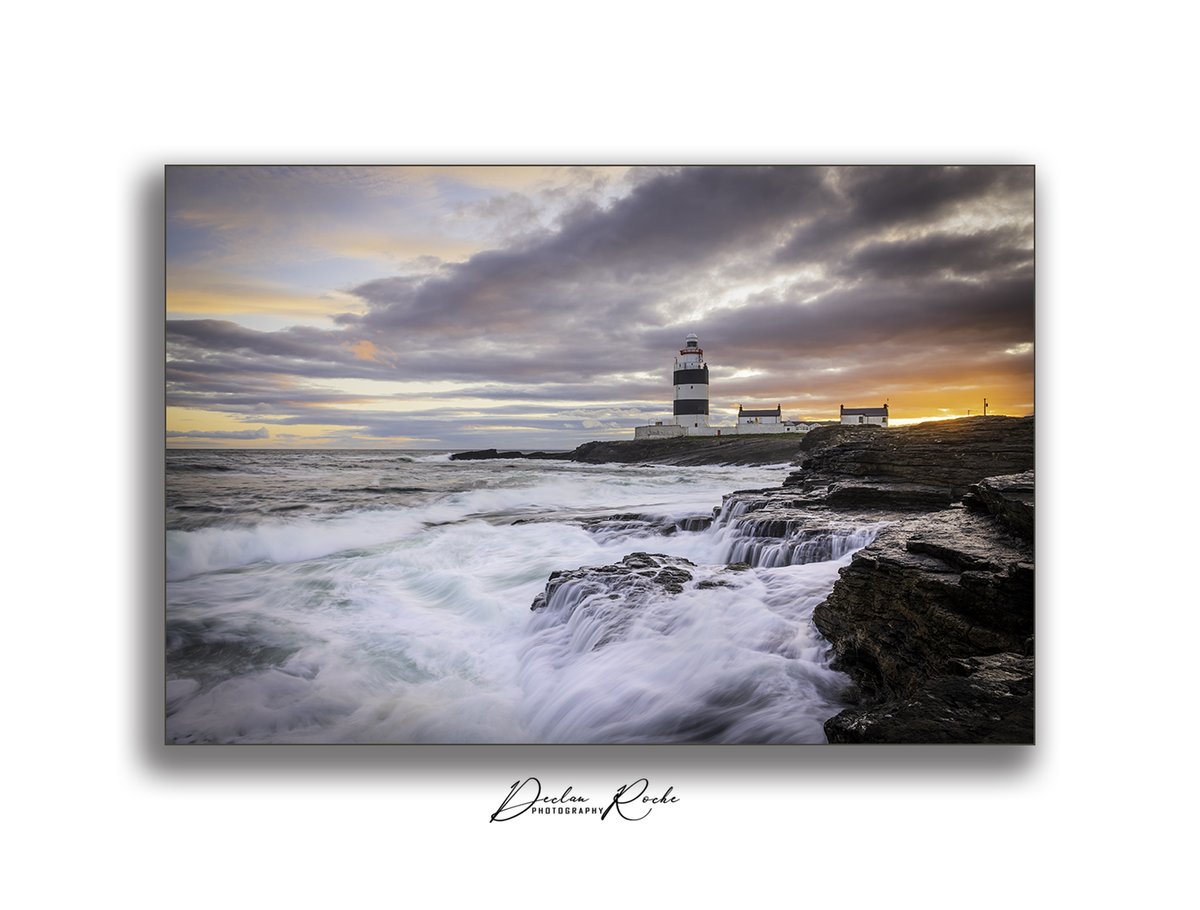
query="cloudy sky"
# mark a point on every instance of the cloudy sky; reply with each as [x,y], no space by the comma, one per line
[539,307]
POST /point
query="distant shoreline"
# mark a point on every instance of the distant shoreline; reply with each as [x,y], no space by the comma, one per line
[684,450]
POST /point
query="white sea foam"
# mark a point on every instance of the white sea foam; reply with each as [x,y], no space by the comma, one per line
[213,549]
[726,664]
[413,624]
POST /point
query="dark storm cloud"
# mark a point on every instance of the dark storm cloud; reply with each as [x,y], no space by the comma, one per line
[685,218]
[887,195]
[963,254]
[300,342]
[603,264]
[875,199]
[826,281]
[264,393]
[508,358]
[618,271]
[219,346]
[885,314]
[242,395]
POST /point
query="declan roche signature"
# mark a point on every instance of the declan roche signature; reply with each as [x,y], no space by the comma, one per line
[630,801]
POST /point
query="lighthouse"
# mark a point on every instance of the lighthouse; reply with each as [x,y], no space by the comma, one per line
[691,385]
[690,416]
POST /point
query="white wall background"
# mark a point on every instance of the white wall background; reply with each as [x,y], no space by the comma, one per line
[99,96]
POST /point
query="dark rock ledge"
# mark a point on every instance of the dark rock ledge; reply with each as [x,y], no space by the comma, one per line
[632,580]
[991,701]
[918,468]
[491,454]
[779,448]
[934,621]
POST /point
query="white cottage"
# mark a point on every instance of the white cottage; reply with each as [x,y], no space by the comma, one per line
[747,417]
[878,416]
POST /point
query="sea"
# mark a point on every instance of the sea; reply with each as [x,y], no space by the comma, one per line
[385,597]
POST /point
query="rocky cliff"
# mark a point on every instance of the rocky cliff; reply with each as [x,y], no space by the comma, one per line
[935,622]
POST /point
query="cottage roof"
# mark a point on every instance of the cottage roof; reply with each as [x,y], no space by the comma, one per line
[866,412]
[770,412]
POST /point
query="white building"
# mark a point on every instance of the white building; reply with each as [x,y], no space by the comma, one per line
[758,418]
[864,416]
[690,416]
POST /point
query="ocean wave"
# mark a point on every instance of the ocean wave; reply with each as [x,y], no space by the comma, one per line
[188,467]
[215,549]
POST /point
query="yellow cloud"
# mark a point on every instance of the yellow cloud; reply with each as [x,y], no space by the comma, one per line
[201,302]
[365,350]
[197,420]
[184,420]
[197,291]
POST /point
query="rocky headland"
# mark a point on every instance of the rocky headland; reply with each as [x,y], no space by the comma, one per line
[780,448]
[933,619]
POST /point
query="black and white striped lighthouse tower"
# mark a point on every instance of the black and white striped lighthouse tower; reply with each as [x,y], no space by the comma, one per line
[691,385]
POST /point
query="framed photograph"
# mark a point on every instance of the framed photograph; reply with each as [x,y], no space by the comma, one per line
[599,454]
